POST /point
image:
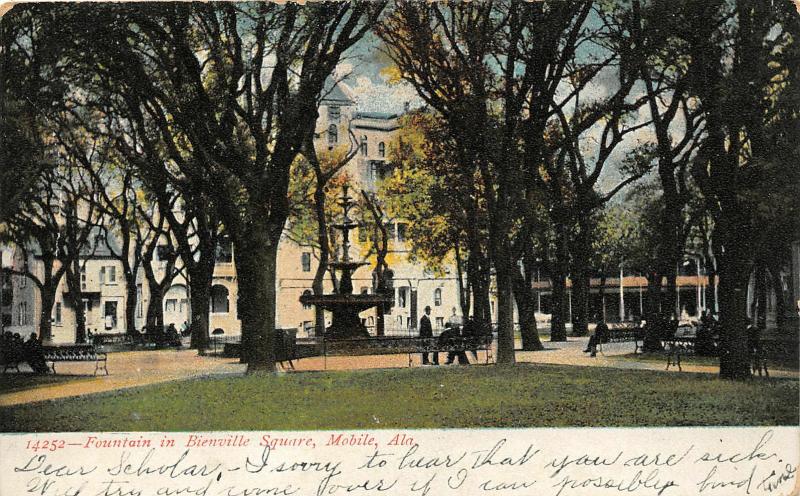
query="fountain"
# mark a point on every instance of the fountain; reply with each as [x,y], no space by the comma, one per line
[343,304]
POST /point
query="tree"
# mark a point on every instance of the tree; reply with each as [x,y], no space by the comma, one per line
[29,89]
[244,120]
[446,224]
[444,51]
[155,240]
[230,121]
[677,128]
[738,60]
[55,227]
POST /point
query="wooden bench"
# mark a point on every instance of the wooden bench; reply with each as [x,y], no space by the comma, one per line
[76,353]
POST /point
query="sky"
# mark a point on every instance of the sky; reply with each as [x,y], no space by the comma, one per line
[360,72]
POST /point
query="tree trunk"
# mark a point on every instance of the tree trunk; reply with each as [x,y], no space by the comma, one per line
[761,297]
[130,301]
[505,311]
[463,292]
[201,277]
[652,340]
[669,300]
[76,300]
[734,356]
[480,289]
[526,309]
[155,307]
[48,297]
[256,257]
[580,283]
[580,302]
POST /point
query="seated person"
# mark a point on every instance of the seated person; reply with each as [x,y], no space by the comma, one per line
[34,354]
[469,329]
[172,337]
[600,335]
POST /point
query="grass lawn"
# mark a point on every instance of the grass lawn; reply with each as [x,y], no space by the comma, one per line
[525,395]
[777,363]
[12,382]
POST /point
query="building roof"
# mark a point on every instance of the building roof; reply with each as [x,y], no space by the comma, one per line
[378,121]
[335,92]
[99,242]
[376,115]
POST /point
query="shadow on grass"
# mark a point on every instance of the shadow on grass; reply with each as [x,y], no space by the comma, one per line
[784,363]
[14,382]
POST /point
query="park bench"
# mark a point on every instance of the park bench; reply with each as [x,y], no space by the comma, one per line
[411,345]
[11,359]
[286,350]
[625,335]
[100,339]
[75,353]
[679,346]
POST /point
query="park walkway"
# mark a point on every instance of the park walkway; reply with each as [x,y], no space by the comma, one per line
[141,368]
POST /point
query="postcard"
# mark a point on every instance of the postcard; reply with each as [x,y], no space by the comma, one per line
[399,247]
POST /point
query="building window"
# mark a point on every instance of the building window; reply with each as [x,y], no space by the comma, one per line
[170,305]
[139,306]
[381,149]
[439,322]
[83,277]
[110,315]
[57,313]
[364,290]
[7,297]
[334,114]
[305,261]
[23,281]
[333,134]
[108,275]
[364,145]
[87,307]
[370,321]
[437,297]
[224,252]
[402,297]
[362,234]
[219,299]
[306,306]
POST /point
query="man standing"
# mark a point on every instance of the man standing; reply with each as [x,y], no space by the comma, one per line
[426,331]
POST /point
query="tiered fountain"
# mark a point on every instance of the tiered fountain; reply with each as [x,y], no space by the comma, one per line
[344,305]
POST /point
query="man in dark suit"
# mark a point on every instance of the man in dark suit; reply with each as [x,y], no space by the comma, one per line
[426,331]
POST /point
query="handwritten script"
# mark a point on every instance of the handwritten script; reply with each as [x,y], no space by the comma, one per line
[669,462]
